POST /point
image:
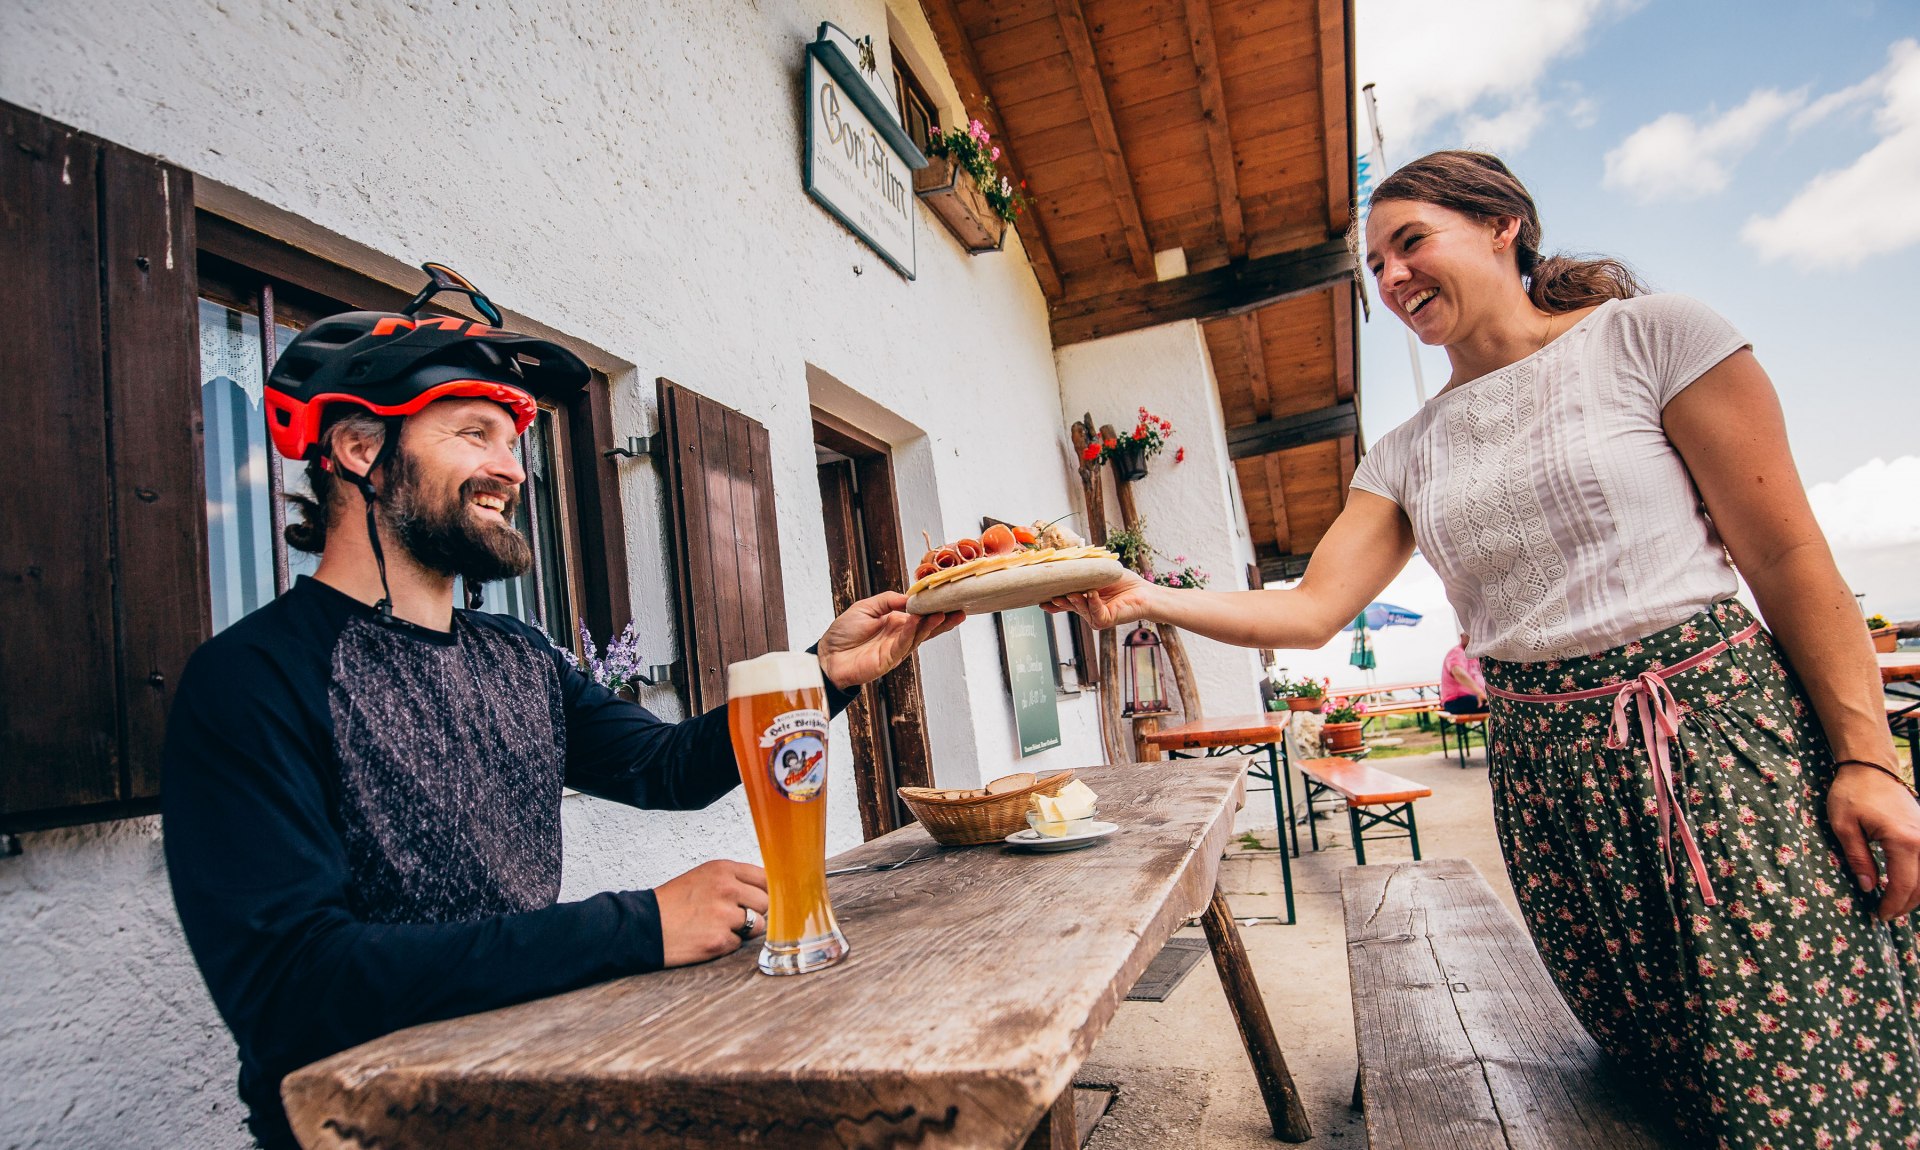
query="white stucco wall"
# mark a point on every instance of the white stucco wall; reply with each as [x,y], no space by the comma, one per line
[630,175]
[1190,508]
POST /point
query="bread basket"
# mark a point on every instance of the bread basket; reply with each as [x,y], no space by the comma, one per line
[981,819]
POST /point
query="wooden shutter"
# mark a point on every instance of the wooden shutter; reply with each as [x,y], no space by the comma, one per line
[726,541]
[103,541]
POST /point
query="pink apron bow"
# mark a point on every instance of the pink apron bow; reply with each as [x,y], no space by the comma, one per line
[1659,729]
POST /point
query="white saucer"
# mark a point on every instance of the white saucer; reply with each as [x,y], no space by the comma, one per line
[1035,841]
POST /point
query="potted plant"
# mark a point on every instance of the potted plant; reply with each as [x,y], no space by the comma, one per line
[1130,452]
[1184,576]
[1344,718]
[1129,546]
[1886,637]
[1301,694]
[963,185]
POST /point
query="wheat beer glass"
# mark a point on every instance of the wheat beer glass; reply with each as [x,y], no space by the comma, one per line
[777,711]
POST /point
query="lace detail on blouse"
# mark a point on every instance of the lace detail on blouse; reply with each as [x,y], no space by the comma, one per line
[1494,515]
[1547,495]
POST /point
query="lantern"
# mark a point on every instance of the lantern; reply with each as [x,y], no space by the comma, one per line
[1142,667]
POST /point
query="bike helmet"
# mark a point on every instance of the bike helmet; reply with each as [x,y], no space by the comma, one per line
[395,363]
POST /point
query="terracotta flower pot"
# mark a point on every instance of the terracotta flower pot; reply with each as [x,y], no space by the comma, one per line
[1886,640]
[1341,736]
[1303,703]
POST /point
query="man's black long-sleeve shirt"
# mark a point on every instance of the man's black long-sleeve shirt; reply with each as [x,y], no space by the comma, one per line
[362,824]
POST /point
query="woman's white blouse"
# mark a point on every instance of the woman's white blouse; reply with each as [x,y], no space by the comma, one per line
[1548,496]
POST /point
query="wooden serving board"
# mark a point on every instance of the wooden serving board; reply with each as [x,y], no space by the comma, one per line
[1014,587]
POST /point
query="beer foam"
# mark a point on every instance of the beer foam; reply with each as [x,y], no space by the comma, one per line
[772,672]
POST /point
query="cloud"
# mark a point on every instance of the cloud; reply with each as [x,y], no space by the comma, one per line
[1869,207]
[1677,157]
[1871,506]
[1470,70]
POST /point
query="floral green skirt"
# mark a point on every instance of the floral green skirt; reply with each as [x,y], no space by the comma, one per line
[1785,1015]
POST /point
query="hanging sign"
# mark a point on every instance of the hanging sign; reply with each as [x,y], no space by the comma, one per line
[1026,637]
[860,161]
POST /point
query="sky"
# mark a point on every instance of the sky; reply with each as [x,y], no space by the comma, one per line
[1762,156]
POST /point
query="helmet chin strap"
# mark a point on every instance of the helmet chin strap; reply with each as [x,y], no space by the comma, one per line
[364,484]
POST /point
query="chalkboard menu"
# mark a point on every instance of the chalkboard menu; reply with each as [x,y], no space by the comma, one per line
[1026,639]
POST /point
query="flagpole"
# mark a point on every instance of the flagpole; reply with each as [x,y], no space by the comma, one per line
[1380,163]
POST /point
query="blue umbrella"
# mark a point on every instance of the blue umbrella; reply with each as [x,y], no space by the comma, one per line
[1378,615]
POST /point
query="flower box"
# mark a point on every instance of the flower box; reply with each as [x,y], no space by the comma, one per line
[1885,639]
[1304,703]
[953,194]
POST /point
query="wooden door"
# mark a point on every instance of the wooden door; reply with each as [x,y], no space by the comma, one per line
[866,556]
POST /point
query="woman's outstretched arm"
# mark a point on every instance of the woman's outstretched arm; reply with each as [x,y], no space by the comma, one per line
[1364,549]
[1729,429]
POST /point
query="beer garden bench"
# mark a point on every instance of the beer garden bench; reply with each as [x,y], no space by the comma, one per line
[1364,787]
[1463,728]
[1463,1041]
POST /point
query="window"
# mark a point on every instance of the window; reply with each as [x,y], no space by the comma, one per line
[153,516]
[917,114]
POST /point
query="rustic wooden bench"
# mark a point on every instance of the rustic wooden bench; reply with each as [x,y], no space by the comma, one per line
[1463,726]
[1463,1041]
[1364,787]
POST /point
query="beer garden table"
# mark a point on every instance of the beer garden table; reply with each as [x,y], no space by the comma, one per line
[1899,666]
[1264,733]
[978,982]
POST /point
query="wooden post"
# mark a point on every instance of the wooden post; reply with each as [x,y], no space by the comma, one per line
[1184,680]
[1284,1107]
[1056,1129]
[1113,724]
[1144,748]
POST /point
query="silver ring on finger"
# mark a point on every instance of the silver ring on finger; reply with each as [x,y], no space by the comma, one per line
[746,931]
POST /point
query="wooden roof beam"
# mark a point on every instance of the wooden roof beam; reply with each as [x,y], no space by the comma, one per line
[1213,109]
[1093,91]
[1229,290]
[963,64]
[1277,496]
[1257,364]
[1275,568]
[1335,61]
[1341,420]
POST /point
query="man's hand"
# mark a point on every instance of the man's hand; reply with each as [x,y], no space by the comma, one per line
[703,912]
[1123,602]
[1868,806]
[874,635]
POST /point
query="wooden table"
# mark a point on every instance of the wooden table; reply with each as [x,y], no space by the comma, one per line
[978,982]
[1899,666]
[1264,733]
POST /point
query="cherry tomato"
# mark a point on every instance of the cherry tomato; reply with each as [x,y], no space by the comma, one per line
[1024,536]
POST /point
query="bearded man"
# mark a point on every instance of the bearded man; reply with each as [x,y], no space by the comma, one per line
[362,784]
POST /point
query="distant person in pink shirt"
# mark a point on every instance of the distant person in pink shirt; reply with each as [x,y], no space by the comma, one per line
[1462,690]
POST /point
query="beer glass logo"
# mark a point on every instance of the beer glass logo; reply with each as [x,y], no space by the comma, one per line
[796,750]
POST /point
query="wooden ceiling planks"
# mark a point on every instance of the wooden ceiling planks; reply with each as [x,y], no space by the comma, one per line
[1093,90]
[963,64]
[1220,127]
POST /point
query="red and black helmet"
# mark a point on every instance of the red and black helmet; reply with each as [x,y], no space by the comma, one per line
[395,363]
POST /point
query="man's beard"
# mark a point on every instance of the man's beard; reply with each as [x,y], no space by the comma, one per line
[446,536]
